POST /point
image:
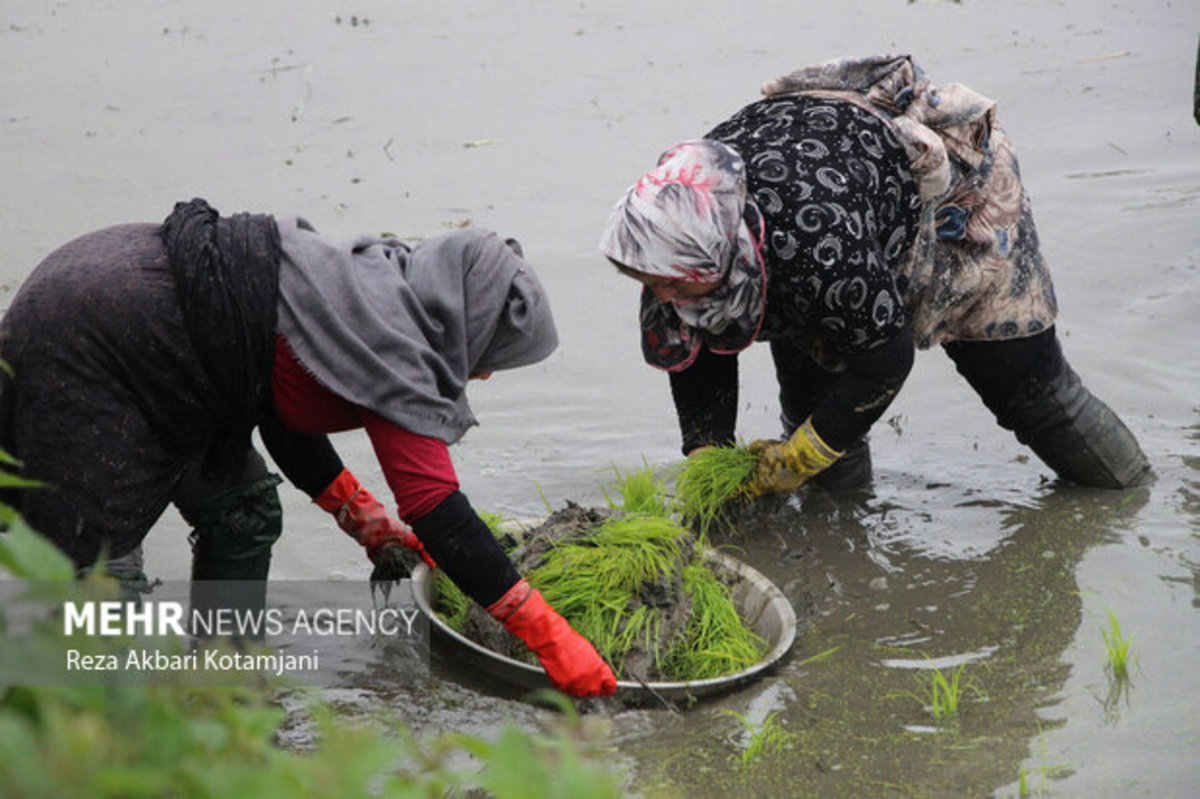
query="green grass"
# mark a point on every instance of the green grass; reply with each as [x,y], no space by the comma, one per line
[1116,645]
[768,738]
[198,742]
[710,479]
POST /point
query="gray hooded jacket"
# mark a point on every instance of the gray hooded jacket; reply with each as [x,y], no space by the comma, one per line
[399,330]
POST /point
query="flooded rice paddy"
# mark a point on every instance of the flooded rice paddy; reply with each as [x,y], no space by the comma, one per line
[531,119]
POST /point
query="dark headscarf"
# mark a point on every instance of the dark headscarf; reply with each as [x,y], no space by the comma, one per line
[227,277]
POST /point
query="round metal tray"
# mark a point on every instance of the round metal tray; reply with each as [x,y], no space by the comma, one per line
[759,602]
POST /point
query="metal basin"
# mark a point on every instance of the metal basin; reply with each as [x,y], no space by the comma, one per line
[759,602]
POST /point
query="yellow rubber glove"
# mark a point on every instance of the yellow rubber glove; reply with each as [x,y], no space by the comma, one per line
[785,465]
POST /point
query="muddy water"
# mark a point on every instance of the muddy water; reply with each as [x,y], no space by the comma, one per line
[530,119]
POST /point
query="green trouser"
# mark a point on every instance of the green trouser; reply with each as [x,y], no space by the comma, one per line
[235,523]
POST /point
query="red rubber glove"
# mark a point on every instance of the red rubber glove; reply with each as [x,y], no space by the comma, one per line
[365,519]
[570,661]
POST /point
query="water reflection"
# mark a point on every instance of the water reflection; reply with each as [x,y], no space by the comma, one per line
[884,608]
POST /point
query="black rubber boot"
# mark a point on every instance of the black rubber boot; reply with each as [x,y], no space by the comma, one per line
[129,570]
[231,547]
[848,473]
[1080,437]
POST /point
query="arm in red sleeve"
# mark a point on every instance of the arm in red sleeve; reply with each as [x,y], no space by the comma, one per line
[420,474]
[417,468]
[419,471]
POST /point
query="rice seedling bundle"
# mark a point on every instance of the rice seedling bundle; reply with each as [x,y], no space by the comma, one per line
[709,480]
[636,585]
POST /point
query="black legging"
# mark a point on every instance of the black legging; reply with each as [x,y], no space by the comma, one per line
[1028,386]
[1011,374]
[843,405]
[1006,374]
[1032,390]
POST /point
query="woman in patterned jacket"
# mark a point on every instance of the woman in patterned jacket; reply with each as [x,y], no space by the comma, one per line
[856,213]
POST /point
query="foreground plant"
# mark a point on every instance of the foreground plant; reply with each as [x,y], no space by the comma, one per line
[766,739]
[202,742]
[1116,645]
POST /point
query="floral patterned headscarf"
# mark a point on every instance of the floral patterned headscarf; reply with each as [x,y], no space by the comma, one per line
[689,219]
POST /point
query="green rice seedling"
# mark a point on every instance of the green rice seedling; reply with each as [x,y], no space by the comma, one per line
[625,552]
[708,480]
[639,627]
[716,641]
[452,604]
[1117,646]
[594,582]
[944,693]
[598,582]
[1025,786]
[638,491]
[768,738]
[820,656]
[498,523]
